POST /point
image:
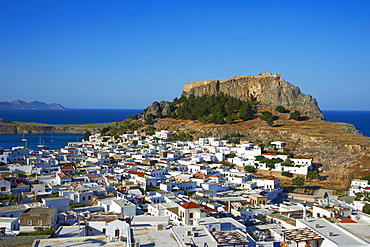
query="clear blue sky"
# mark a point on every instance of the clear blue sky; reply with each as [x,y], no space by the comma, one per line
[127,54]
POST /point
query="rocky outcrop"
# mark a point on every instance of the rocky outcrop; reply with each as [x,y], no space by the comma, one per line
[270,89]
[3,120]
[162,107]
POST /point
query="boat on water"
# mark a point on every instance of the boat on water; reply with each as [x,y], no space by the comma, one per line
[23,139]
[52,139]
[41,143]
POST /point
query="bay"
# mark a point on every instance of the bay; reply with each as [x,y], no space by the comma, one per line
[51,141]
[58,140]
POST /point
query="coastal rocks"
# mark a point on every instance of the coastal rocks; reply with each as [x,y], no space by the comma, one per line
[270,89]
[162,107]
[26,128]
[2,120]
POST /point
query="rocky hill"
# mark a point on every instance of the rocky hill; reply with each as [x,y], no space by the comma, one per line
[270,89]
[34,105]
[339,150]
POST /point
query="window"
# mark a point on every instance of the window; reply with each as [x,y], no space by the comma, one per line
[191,215]
[89,197]
[29,222]
[116,233]
[83,198]
[104,231]
[39,222]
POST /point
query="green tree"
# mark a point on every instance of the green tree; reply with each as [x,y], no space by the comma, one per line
[288,162]
[87,135]
[250,169]
[270,122]
[287,174]
[280,109]
[149,119]
[313,174]
[366,208]
[366,177]
[268,117]
[104,131]
[232,155]
[298,181]
[296,115]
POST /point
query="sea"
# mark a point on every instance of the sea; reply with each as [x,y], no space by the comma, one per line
[360,119]
[71,116]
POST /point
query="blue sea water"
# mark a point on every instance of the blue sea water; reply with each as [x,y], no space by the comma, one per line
[74,116]
[360,119]
[52,141]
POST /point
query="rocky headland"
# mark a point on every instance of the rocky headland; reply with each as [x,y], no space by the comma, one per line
[34,105]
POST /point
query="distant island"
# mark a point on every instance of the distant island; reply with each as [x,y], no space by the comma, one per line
[34,105]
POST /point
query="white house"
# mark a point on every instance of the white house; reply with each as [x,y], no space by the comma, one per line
[114,228]
[119,206]
[5,186]
[10,225]
[190,212]
[60,203]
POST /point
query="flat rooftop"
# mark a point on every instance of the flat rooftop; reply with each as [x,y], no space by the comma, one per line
[340,236]
[93,241]
[360,229]
[197,235]
[152,237]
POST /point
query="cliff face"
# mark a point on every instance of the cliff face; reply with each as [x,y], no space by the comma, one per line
[163,107]
[270,89]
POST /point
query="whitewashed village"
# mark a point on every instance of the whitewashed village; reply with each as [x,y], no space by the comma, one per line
[145,190]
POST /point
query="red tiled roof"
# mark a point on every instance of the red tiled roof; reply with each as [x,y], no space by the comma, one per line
[272,178]
[67,168]
[63,175]
[110,220]
[199,175]
[348,220]
[138,173]
[71,149]
[130,164]
[190,205]
[269,154]
[366,188]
